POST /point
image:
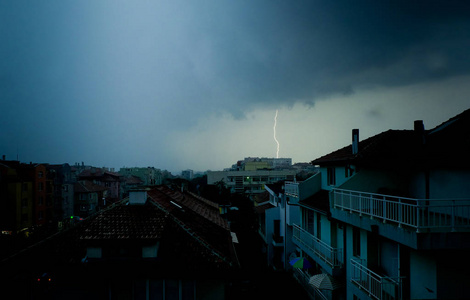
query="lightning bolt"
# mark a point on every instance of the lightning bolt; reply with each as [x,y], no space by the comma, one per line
[275,139]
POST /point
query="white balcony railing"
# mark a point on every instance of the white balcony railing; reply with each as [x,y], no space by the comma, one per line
[432,214]
[378,287]
[303,278]
[313,245]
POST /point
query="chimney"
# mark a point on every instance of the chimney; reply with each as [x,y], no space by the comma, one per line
[355,141]
[419,130]
[419,126]
[4,157]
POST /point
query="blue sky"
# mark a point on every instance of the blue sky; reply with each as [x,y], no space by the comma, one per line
[196,84]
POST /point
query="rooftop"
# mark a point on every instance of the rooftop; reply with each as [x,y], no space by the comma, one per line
[447,144]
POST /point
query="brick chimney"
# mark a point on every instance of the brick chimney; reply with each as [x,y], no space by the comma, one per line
[355,141]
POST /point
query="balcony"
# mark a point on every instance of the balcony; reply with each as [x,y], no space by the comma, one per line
[324,254]
[421,215]
[376,286]
[303,278]
[291,189]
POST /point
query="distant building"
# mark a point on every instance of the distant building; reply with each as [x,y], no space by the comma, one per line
[111,181]
[63,192]
[89,198]
[130,182]
[16,199]
[249,182]
[149,175]
[187,174]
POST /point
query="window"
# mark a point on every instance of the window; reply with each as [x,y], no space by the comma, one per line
[24,202]
[308,221]
[40,174]
[331,176]
[41,200]
[40,186]
[356,241]
[25,187]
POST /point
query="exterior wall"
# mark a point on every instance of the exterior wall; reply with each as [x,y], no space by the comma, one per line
[187,174]
[423,277]
[138,197]
[256,165]
[445,184]
[249,181]
[340,177]
[272,214]
[293,214]
[352,289]
[373,181]
[325,228]
[21,204]
[310,186]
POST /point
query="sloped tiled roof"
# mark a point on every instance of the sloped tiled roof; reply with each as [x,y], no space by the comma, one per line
[130,222]
[200,206]
[86,186]
[448,144]
[190,230]
[133,180]
[97,172]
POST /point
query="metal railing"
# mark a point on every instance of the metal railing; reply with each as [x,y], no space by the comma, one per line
[291,189]
[378,287]
[303,278]
[313,245]
[432,214]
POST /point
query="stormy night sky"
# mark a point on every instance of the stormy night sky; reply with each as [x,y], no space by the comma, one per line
[196,84]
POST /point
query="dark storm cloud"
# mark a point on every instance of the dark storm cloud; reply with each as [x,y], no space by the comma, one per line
[284,51]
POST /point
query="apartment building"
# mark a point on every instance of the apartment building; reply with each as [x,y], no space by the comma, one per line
[63,192]
[249,182]
[149,175]
[110,180]
[391,216]
[16,199]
